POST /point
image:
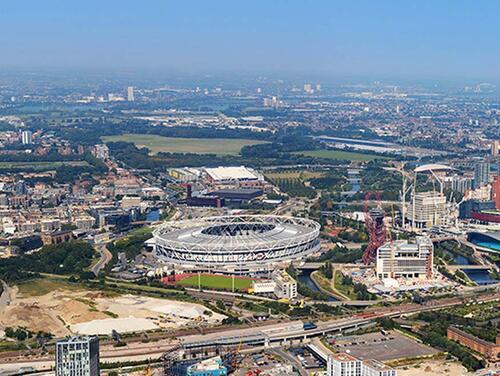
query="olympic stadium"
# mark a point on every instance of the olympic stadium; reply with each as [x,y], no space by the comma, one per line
[235,244]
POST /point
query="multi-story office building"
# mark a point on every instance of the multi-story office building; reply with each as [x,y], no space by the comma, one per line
[130,94]
[496,192]
[27,137]
[458,183]
[77,356]
[427,210]
[344,364]
[481,174]
[286,286]
[401,259]
[495,148]
[20,187]
[467,208]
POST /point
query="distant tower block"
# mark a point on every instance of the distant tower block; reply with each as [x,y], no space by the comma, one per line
[374,220]
[130,93]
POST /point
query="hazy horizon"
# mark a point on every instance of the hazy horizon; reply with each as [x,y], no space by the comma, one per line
[447,40]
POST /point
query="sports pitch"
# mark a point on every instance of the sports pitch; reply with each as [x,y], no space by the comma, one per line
[216,282]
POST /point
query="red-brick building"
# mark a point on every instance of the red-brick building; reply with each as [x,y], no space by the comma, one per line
[488,349]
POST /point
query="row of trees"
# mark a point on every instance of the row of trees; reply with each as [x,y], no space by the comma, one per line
[65,258]
[340,255]
[434,334]
[295,188]
[131,246]
[360,290]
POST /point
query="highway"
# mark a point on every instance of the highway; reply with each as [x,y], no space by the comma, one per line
[5,297]
[106,257]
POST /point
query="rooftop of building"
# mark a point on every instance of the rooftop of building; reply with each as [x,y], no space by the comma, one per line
[344,357]
[376,365]
[470,336]
[208,365]
[433,167]
[428,194]
[231,173]
[237,191]
[494,211]
[76,339]
[283,275]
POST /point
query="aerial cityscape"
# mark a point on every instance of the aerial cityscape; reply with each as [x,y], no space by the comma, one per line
[252,189]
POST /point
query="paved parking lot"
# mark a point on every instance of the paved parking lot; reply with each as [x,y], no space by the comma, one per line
[383,348]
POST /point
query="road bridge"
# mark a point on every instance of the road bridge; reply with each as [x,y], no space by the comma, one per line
[468,267]
[317,265]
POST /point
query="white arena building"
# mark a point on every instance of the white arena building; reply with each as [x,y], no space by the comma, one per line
[235,244]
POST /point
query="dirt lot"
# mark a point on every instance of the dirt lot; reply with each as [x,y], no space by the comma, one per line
[434,368]
[63,311]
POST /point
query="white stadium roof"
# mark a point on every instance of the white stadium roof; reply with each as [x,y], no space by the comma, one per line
[433,167]
[231,173]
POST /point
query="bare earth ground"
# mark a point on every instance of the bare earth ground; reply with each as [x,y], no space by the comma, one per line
[434,368]
[63,312]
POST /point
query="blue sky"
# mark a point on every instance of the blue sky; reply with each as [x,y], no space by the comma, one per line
[371,38]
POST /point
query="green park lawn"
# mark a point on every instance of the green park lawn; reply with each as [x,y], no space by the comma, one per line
[40,166]
[157,144]
[341,154]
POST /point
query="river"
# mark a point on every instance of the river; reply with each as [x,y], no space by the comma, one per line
[355,183]
[481,277]
[305,278]
[153,216]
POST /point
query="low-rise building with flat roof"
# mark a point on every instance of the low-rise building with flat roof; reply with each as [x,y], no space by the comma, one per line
[488,349]
[286,286]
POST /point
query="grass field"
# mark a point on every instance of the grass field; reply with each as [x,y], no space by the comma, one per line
[216,282]
[156,144]
[347,291]
[295,175]
[42,286]
[40,166]
[341,154]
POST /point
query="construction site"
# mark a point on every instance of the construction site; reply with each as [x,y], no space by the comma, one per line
[63,312]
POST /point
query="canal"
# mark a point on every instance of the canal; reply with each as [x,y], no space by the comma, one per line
[481,277]
[305,278]
[153,216]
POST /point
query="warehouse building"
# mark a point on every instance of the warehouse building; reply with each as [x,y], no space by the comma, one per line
[238,195]
[227,175]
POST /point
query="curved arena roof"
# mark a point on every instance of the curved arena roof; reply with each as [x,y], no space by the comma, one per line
[236,240]
[433,167]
